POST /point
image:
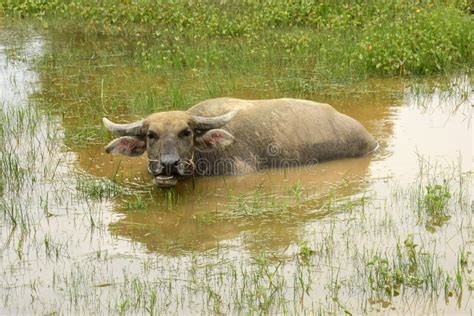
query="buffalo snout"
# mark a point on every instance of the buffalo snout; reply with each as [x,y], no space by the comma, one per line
[169,164]
[166,165]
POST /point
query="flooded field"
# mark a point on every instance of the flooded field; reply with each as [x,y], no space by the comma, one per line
[83,232]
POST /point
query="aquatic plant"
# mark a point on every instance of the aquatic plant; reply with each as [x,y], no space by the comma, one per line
[436,198]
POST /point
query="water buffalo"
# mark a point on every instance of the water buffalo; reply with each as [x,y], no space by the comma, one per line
[232,136]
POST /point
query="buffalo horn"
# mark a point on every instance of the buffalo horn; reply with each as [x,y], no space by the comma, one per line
[204,122]
[131,129]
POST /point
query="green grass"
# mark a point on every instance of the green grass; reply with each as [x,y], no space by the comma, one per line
[306,42]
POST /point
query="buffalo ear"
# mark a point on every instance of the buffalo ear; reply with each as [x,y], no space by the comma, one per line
[127,145]
[213,139]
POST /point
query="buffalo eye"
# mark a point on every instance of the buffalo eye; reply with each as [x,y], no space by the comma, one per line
[185,133]
[152,135]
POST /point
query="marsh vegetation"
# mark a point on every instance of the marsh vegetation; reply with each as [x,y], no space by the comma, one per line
[86,233]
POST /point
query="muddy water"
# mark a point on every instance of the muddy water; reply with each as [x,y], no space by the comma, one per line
[73,252]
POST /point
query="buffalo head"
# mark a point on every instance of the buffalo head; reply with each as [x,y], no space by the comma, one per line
[170,140]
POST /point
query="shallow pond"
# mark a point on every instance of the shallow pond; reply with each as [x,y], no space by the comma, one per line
[84,232]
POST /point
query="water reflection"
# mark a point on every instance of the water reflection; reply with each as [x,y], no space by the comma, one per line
[261,208]
[17,80]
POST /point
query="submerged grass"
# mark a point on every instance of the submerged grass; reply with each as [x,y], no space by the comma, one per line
[99,188]
[413,270]
[296,205]
[410,269]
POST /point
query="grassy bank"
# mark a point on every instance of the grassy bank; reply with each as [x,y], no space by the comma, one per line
[300,44]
